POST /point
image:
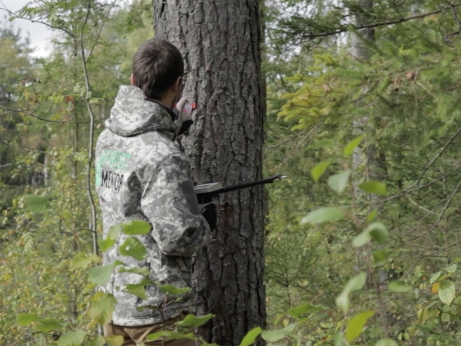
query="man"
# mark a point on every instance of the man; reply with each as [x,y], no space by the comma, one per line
[141,174]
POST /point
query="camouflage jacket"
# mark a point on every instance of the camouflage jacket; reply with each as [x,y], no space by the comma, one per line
[141,174]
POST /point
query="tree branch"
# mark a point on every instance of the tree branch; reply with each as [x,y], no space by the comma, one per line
[375,25]
[91,134]
[4,8]
[32,115]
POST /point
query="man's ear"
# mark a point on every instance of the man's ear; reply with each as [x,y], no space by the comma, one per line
[177,84]
[133,81]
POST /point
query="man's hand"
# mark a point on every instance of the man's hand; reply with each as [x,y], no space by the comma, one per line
[209,213]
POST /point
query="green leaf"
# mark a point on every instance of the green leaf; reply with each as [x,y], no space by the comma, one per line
[170,335]
[446,291]
[100,275]
[25,319]
[378,232]
[36,204]
[111,238]
[339,339]
[379,255]
[354,284]
[356,325]
[72,338]
[451,269]
[302,309]
[100,341]
[361,239]
[136,227]
[350,147]
[114,340]
[102,307]
[134,248]
[445,317]
[338,182]
[140,271]
[372,215]
[172,290]
[323,215]
[375,187]
[435,277]
[398,286]
[274,335]
[251,336]
[319,169]
[82,261]
[47,325]
[139,289]
[386,342]
[194,321]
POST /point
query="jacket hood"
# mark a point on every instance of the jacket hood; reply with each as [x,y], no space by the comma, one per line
[132,114]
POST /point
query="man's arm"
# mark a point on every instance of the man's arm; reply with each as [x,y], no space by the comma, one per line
[170,203]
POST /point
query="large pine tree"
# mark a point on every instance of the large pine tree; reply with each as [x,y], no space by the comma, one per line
[220,42]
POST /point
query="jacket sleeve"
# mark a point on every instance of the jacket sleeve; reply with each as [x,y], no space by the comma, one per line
[169,202]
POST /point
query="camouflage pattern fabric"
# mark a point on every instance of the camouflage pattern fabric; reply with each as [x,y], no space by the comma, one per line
[141,174]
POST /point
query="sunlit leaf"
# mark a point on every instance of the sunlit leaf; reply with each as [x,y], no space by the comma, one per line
[361,239]
[451,269]
[139,289]
[435,277]
[72,338]
[374,187]
[350,147]
[195,321]
[114,340]
[398,286]
[379,255]
[82,261]
[338,182]
[172,290]
[274,335]
[111,238]
[46,325]
[319,169]
[445,317]
[323,215]
[447,291]
[354,284]
[100,341]
[136,227]
[102,307]
[304,308]
[36,204]
[251,336]
[356,325]
[134,248]
[25,319]
[378,232]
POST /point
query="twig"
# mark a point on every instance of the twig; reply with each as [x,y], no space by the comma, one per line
[438,155]
[100,31]
[455,14]
[6,165]
[90,144]
[375,25]
[450,199]
[32,115]
[4,8]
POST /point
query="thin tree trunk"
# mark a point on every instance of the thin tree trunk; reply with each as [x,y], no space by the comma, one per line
[374,161]
[220,42]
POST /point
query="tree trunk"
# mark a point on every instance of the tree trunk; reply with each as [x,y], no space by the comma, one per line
[220,42]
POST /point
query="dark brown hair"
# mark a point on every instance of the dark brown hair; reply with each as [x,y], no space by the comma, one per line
[156,66]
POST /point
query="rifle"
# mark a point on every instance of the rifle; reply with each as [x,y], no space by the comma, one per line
[206,192]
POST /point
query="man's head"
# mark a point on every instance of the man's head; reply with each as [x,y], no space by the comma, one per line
[157,70]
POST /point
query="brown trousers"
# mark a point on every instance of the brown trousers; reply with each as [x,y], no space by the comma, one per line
[136,335]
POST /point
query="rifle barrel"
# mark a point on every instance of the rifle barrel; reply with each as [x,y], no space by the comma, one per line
[253,183]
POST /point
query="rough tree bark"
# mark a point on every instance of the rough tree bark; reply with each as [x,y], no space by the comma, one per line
[220,42]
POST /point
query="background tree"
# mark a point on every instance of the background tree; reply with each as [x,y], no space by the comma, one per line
[220,42]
